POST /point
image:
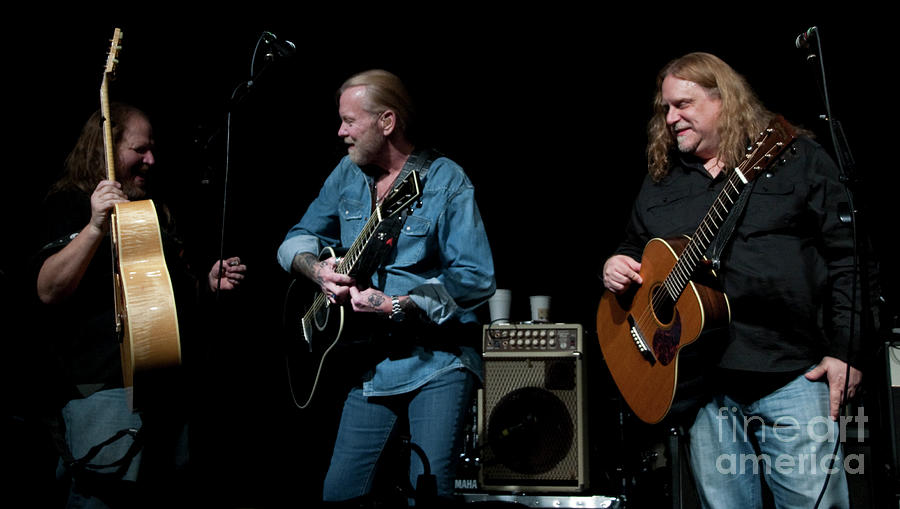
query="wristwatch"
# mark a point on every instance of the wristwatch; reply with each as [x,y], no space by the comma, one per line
[397,313]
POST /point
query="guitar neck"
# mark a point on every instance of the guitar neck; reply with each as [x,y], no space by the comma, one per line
[109,151]
[695,250]
[349,260]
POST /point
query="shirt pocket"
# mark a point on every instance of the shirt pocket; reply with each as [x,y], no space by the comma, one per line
[671,215]
[772,206]
[413,241]
[352,214]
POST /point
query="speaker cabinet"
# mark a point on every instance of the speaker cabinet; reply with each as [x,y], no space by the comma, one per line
[531,412]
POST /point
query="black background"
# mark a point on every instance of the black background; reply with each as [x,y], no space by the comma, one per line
[545,109]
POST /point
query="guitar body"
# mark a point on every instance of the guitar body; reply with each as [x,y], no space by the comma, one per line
[146,318]
[319,326]
[641,332]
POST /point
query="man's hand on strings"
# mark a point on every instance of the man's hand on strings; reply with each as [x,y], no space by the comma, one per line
[335,286]
[619,272]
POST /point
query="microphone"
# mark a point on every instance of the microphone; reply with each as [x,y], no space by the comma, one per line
[282,48]
[802,40]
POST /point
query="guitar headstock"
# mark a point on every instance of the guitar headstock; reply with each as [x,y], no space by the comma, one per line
[767,147]
[403,196]
[114,48]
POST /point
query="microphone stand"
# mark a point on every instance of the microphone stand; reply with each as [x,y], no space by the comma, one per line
[844,157]
[246,87]
[848,214]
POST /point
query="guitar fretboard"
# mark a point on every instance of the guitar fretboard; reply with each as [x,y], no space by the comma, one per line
[348,261]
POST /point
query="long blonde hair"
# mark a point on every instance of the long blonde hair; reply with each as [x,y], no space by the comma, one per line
[741,118]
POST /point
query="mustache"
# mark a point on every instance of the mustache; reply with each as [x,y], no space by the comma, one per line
[141,171]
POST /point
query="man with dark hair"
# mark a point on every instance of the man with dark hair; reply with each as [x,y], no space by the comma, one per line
[770,405]
[417,306]
[75,284]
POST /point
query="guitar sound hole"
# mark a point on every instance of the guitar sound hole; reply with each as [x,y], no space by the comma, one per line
[663,305]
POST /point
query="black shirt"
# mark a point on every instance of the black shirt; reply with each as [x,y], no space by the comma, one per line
[788,268]
[81,328]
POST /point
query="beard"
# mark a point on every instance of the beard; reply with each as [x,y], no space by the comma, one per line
[134,182]
[687,143]
[133,191]
[364,150]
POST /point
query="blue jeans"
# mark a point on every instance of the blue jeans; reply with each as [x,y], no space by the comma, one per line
[435,414]
[89,422]
[786,438]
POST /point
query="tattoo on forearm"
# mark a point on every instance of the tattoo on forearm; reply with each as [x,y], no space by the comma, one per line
[317,274]
[307,264]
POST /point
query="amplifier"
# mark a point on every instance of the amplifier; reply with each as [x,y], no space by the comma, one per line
[532,428]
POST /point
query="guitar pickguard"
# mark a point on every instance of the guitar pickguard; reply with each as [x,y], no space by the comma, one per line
[666,341]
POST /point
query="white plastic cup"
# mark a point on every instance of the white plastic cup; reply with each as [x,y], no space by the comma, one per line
[499,304]
[540,308]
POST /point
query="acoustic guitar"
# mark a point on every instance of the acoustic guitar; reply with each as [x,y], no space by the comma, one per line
[146,319]
[642,331]
[321,323]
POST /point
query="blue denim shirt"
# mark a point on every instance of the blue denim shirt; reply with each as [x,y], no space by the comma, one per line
[442,261]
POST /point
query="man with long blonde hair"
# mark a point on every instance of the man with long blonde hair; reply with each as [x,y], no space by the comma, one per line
[788,264]
[416,311]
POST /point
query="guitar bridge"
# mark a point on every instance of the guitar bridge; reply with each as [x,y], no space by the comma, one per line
[640,342]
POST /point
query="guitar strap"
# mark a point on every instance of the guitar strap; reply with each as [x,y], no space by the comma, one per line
[714,252]
[420,161]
